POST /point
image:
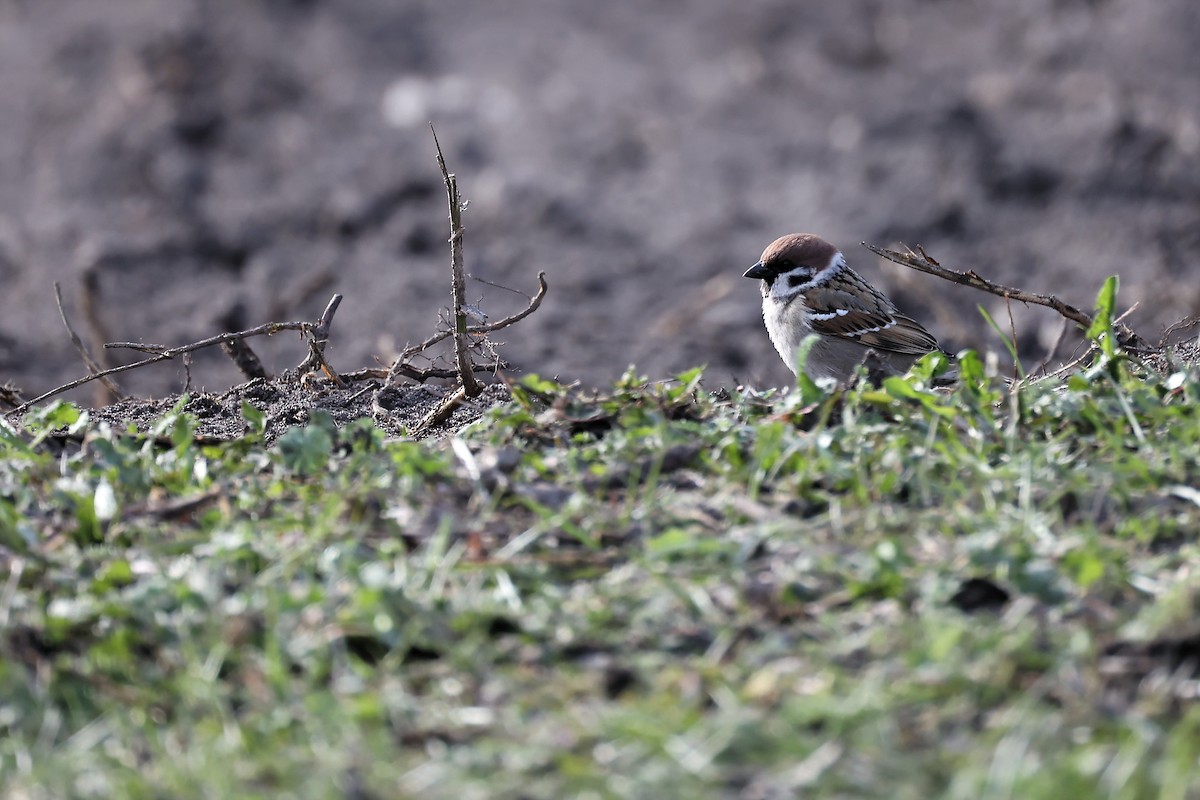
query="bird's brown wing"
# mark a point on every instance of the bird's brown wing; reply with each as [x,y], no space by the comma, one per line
[866,317]
[904,336]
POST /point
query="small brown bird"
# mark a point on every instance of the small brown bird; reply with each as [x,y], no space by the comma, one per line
[807,288]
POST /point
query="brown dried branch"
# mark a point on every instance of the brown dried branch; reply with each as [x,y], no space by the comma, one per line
[441,413]
[162,354]
[90,302]
[1182,325]
[114,393]
[318,337]
[921,262]
[417,373]
[1070,365]
[246,360]
[10,395]
[458,283]
[477,330]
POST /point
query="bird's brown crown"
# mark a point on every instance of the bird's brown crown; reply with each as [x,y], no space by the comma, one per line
[796,250]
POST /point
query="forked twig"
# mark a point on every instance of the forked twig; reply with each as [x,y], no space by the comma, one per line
[1182,325]
[476,330]
[318,337]
[921,262]
[317,334]
[162,354]
[1070,365]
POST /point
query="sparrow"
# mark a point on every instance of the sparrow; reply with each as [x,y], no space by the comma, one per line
[807,288]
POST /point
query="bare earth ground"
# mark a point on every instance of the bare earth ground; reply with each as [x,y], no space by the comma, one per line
[285,404]
[210,166]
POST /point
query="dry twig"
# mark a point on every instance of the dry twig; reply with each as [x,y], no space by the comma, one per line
[1182,325]
[246,360]
[89,303]
[923,263]
[460,330]
[413,372]
[318,337]
[458,283]
[162,354]
[479,330]
[1071,365]
[441,413]
[113,392]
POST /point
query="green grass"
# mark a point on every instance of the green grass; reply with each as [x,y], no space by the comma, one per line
[658,592]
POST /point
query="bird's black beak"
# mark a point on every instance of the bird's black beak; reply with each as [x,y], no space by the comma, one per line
[758,271]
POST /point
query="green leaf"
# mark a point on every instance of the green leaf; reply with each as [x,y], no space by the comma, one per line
[11,441]
[971,371]
[901,389]
[1106,301]
[809,391]
[305,451]
[256,420]
[688,382]
[897,386]
[1101,330]
[55,417]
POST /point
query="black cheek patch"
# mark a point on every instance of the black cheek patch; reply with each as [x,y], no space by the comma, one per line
[795,280]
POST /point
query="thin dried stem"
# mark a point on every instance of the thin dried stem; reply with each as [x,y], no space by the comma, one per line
[1182,325]
[162,354]
[476,330]
[458,282]
[922,262]
[318,337]
[442,413]
[88,361]
[246,360]
[417,373]
[1062,335]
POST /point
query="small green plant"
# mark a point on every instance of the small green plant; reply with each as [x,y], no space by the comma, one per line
[652,590]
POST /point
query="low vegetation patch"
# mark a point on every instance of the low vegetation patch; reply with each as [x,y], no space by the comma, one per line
[657,591]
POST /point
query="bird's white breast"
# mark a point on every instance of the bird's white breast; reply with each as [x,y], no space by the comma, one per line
[787,325]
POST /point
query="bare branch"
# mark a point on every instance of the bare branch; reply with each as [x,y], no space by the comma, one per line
[245,358]
[89,303]
[923,263]
[1182,325]
[267,329]
[416,373]
[490,327]
[88,361]
[318,337]
[441,413]
[10,395]
[458,283]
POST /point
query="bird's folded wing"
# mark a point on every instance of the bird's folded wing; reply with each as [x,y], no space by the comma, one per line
[845,315]
[904,336]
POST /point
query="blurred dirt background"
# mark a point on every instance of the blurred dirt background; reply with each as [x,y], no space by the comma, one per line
[214,164]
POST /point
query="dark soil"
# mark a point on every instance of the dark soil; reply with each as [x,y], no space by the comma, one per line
[206,166]
[287,403]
